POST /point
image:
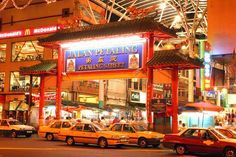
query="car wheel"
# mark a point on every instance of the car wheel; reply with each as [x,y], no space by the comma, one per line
[49,137]
[180,149]
[102,143]
[13,134]
[142,143]
[70,141]
[229,152]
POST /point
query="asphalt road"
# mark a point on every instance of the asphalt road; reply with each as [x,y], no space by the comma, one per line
[39,147]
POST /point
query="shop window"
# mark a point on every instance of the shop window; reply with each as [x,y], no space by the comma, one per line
[136,85]
[96,85]
[2,81]
[54,54]
[27,51]
[81,83]
[22,82]
[90,84]
[129,83]
[140,84]
[3,48]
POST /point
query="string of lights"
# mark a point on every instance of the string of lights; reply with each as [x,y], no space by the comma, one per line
[4,3]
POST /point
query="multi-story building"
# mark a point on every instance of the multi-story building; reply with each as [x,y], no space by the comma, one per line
[19,31]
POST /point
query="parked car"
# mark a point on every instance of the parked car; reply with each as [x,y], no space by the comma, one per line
[200,141]
[13,128]
[227,132]
[90,133]
[138,134]
[50,132]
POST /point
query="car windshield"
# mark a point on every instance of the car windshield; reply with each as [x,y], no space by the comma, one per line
[139,127]
[15,122]
[218,134]
[99,127]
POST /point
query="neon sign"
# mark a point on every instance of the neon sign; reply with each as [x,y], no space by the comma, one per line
[207,69]
[29,31]
[106,58]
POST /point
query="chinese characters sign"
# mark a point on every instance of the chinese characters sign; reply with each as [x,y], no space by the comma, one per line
[108,58]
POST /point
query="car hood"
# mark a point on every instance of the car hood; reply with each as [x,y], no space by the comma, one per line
[24,127]
[151,134]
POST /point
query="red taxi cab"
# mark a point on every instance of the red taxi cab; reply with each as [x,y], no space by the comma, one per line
[200,141]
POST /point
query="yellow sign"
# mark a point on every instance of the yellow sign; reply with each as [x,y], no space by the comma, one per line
[27,32]
[208,142]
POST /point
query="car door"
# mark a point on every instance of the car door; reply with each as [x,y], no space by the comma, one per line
[77,132]
[210,144]
[128,130]
[89,134]
[55,128]
[191,138]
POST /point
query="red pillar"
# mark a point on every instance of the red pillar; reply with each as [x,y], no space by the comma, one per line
[149,80]
[175,100]
[41,99]
[59,83]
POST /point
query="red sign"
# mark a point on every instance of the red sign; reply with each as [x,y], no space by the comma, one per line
[29,31]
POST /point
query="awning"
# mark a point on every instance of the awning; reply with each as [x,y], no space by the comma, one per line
[45,67]
[169,59]
[136,26]
[205,106]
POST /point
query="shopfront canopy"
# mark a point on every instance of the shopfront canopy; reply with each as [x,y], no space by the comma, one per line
[169,59]
[136,26]
[205,106]
[45,67]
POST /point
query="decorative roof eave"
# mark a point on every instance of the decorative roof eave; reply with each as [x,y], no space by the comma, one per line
[170,59]
[137,26]
[46,67]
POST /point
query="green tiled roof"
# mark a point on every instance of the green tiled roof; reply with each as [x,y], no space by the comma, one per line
[44,67]
[168,59]
[111,29]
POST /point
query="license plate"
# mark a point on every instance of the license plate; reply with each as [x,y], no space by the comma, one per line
[29,131]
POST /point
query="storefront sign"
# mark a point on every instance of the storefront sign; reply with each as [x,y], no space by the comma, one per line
[106,58]
[135,96]
[15,98]
[29,31]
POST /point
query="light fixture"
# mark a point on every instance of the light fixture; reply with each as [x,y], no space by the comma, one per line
[104,42]
[162,5]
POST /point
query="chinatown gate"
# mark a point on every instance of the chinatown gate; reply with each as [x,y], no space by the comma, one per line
[114,50]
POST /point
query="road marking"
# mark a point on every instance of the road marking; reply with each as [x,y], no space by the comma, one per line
[47,149]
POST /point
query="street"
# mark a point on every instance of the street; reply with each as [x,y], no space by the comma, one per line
[39,147]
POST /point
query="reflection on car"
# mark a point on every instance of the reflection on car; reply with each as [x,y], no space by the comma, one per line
[200,141]
[91,133]
[138,134]
[13,128]
[227,132]
[50,132]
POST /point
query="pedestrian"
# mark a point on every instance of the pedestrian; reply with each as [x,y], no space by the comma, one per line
[103,122]
[122,121]
[115,120]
